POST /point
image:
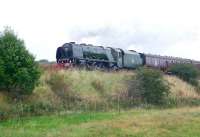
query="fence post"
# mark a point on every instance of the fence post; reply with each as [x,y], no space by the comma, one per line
[118,107]
[95,105]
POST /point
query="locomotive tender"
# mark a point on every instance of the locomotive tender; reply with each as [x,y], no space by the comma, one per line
[72,54]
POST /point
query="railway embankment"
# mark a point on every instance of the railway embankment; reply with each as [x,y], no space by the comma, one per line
[75,91]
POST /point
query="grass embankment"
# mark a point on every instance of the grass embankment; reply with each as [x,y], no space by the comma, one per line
[70,90]
[182,122]
[83,91]
[181,93]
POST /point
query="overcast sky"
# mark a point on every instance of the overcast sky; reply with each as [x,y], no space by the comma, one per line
[166,27]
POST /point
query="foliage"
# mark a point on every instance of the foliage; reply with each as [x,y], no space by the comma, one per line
[98,85]
[60,85]
[186,72]
[19,72]
[152,87]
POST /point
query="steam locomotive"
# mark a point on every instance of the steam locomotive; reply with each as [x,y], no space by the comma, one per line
[87,55]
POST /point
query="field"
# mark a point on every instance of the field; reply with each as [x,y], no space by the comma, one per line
[182,122]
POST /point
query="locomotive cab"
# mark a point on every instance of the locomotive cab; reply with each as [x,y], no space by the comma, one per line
[118,55]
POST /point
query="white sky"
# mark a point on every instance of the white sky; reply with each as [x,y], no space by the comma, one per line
[166,27]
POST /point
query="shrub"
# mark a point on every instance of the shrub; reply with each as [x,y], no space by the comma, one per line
[151,86]
[57,82]
[19,72]
[98,84]
[186,72]
[60,85]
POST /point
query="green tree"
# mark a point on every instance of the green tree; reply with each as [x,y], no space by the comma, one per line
[152,87]
[19,72]
[186,72]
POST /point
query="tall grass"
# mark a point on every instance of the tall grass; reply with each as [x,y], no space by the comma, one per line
[71,90]
[182,93]
[66,91]
[181,89]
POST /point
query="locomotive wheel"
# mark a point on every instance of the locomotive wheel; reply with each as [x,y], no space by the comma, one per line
[115,68]
[99,66]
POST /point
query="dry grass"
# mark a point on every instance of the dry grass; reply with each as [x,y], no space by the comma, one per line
[71,90]
[181,89]
[96,85]
[81,90]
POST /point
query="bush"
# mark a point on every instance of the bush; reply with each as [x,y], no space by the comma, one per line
[151,86]
[98,84]
[61,86]
[19,72]
[186,72]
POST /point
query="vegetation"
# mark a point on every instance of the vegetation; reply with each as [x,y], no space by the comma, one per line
[67,91]
[152,88]
[186,72]
[70,91]
[19,72]
[93,103]
[182,122]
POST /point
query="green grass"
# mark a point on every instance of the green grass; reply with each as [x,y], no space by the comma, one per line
[182,122]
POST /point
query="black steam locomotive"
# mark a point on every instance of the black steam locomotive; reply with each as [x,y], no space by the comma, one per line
[72,54]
